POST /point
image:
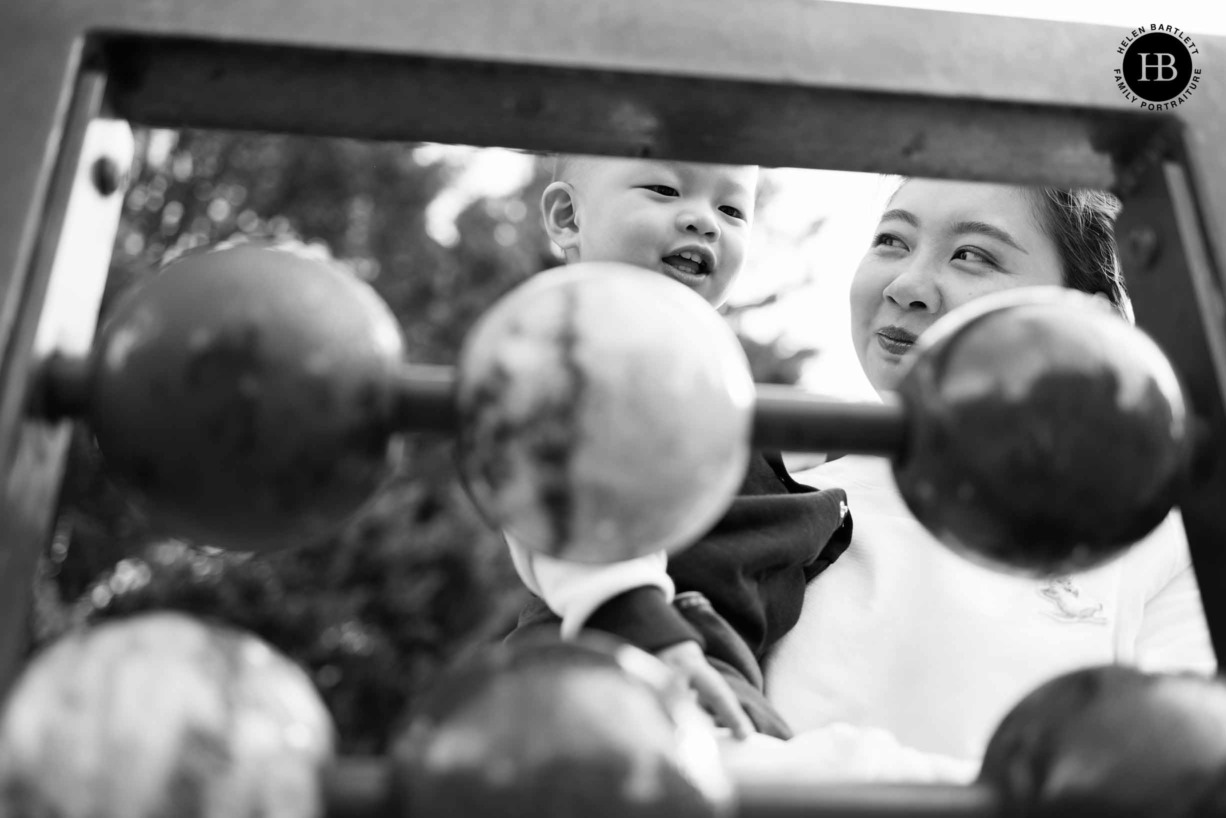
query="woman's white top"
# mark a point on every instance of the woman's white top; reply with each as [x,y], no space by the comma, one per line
[901,634]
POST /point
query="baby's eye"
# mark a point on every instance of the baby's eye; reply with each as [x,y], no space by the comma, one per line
[734,212]
[663,190]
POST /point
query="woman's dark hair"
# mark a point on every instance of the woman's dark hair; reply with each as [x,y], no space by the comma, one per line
[1082,224]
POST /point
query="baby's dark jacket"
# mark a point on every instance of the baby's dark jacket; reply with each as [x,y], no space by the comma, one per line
[740,588]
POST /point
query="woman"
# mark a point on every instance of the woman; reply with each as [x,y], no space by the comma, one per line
[901,638]
[905,656]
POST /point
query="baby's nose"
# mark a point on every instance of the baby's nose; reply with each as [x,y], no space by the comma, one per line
[699,220]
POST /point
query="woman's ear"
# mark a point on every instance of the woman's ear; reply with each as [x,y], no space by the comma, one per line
[561,220]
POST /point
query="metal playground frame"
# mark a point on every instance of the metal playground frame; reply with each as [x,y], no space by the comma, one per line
[804,83]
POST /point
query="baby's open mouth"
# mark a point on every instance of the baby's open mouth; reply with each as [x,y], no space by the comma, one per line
[688,263]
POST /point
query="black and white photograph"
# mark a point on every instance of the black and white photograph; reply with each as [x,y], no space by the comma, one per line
[612,409]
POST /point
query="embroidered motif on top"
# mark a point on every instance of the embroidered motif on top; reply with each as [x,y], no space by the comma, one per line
[1071,604]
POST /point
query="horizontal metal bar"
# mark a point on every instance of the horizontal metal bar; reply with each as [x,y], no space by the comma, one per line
[423,399]
[359,787]
[180,83]
[59,388]
[800,42]
[865,801]
[788,419]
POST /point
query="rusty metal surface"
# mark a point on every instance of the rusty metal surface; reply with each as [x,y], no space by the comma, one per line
[177,83]
[801,42]
[57,315]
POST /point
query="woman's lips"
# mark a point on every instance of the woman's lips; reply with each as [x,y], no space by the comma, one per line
[896,340]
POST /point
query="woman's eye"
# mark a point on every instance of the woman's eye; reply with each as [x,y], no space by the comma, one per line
[975,256]
[663,190]
[734,212]
[888,240]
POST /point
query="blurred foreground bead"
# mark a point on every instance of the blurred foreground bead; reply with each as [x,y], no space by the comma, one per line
[1045,433]
[605,413]
[1112,741]
[586,729]
[160,715]
[242,392]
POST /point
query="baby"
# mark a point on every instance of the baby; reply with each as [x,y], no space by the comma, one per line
[718,608]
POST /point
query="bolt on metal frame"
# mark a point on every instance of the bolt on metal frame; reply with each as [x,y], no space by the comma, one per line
[806,83]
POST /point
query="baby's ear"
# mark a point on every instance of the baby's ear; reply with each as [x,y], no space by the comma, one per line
[561,221]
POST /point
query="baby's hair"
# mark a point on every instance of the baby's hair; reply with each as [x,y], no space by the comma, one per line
[568,166]
[1082,224]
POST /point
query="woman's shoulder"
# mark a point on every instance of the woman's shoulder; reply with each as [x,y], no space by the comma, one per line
[1167,543]
[1151,563]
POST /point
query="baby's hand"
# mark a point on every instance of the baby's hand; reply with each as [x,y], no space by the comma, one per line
[714,693]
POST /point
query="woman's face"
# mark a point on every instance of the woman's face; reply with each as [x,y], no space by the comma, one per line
[939,245]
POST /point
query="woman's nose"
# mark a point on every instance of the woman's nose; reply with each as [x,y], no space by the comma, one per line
[915,288]
[699,220]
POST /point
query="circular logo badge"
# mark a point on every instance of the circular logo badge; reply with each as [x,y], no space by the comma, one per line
[1157,66]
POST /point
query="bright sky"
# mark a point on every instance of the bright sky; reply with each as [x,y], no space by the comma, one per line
[1193,16]
[815,314]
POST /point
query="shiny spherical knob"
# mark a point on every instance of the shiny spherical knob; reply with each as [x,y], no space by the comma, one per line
[555,729]
[1112,740]
[243,392]
[161,714]
[604,413]
[1045,433]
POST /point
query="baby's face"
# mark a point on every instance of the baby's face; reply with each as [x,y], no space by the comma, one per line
[688,221]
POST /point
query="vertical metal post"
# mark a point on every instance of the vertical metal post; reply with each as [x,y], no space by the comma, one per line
[57,313]
[1178,300]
